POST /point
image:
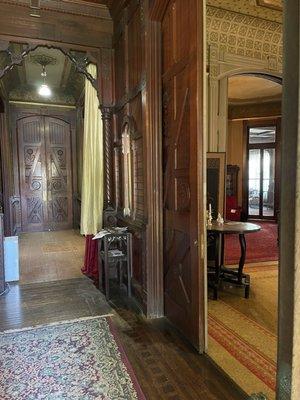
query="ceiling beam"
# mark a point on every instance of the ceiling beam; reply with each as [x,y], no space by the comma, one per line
[65,73]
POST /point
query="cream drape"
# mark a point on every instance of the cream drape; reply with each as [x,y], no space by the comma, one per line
[92,173]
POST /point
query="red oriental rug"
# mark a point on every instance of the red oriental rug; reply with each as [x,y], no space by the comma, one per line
[261,246]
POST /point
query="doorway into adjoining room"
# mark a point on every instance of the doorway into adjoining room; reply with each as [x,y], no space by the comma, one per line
[242,325]
[45,103]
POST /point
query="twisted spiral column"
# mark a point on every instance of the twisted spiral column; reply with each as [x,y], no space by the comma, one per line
[108,157]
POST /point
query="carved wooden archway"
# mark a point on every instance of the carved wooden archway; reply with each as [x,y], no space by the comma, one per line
[102,59]
[17,58]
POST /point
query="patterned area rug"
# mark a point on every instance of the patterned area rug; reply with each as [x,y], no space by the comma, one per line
[261,246]
[78,360]
[242,333]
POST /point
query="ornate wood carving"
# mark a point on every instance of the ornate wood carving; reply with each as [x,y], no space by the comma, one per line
[109,206]
[130,95]
[59,173]
[15,214]
[45,173]
[79,59]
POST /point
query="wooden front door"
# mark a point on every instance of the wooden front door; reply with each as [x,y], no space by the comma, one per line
[45,172]
[183,278]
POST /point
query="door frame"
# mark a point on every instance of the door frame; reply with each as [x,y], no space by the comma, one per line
[257,123]
[68,115]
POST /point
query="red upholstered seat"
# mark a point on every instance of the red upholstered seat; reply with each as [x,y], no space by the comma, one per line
[233,211]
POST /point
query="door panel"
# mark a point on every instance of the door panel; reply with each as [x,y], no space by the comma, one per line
[58,160]
[45,169]
[33,180]
[182,282]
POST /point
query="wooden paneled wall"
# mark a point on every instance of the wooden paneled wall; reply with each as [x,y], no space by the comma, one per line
[236,152]
[85,25]
[130,92]
[141,70]
[8,202]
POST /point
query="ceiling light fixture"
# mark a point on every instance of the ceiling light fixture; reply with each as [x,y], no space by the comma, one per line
[44,89]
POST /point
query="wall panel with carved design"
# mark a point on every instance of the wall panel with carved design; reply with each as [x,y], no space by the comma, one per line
[129,41]
[45,175]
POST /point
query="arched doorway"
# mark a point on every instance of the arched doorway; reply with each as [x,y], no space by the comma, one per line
[21,66]
[249,137]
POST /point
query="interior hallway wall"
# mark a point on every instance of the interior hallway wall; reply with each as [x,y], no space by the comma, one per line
[236,152]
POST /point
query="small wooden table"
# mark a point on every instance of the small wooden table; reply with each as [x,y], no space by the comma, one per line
[232,275]
[122,242]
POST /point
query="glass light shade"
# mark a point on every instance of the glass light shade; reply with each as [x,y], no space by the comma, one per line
[44,90]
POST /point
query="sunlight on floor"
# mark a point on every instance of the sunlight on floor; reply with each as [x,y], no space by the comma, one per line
[50,256]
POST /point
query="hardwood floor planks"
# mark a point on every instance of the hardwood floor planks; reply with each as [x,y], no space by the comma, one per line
[166,366]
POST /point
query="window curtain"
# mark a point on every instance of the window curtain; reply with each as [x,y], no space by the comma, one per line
[92,175]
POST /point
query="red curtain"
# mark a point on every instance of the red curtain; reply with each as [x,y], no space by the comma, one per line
[90,267]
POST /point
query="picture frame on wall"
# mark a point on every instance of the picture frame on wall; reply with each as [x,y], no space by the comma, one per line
[216,171]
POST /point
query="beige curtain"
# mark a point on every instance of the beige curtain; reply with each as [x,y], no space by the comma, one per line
[92,173]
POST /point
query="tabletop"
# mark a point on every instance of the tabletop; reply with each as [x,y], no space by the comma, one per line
[233,227]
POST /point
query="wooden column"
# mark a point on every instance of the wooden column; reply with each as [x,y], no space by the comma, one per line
[155,306]
[6,173]
[288,382]
[109,207]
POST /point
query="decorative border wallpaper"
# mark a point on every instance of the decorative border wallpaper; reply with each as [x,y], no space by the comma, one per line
[255,8]
[244,35]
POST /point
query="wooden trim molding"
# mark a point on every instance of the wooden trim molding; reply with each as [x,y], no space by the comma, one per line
[155,280]
[157,9]
[75,7]
[5,165]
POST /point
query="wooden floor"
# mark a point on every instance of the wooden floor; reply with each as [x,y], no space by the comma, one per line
[50,256]
[166,367]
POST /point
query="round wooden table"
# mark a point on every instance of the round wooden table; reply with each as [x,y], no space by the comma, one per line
[233,275]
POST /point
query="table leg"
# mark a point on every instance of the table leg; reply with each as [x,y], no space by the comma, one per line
[218,263]
[222,247]
[106,269]
[243,257]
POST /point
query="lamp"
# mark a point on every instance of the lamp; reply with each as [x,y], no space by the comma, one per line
[44,89]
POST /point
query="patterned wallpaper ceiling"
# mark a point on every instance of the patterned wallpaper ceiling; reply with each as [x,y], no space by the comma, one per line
[265,9]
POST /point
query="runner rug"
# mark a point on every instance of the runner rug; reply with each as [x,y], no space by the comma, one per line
[243,347]
[76,360]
